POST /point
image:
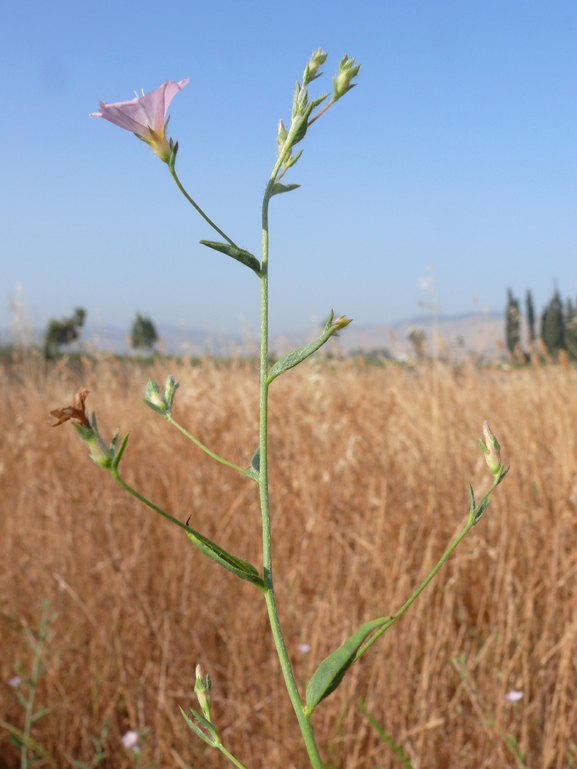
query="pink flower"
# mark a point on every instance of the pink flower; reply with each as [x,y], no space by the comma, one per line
[145,116]
[514,696]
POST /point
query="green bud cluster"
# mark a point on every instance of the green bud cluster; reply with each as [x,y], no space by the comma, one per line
[303,107]
[342,80]
[161,402]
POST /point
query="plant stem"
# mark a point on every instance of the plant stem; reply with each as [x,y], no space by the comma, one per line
[115,474]
[206,449]
[38,646]
[418,591]
[293,692]
[230,757]
[198,208]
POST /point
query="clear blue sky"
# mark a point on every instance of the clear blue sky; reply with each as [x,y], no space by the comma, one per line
[458,149]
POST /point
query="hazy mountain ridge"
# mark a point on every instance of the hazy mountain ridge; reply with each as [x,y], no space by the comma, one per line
[468,333]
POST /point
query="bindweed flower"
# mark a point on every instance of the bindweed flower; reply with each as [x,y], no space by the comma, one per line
[145,116]
[202,689]
[130,741]
[491,449]
[514,696]
[304,648]
[14,682]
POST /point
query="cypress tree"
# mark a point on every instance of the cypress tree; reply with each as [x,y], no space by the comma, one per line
[530,318]
[513,322]
[553,325]
[571,329]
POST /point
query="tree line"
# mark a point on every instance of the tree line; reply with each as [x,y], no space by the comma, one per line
[557,331]
[59,333]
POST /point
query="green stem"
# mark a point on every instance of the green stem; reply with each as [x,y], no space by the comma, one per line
[290,682]
[210,453]
[322,112]
[417,592]
[32,744]
[198,208]
[230,757]
[38,645]
[470,523]
[116,475]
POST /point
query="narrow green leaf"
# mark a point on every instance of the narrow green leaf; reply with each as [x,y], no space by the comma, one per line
[197,730]
[317,102]
[237,253]
[279,188]
[482,509]
[385,737]
[331,671]
[295,357]
[118,456]
[232,563]
[172,158]
[114,441]
[503,474]
[471,500]
[255,461]
[20,738]
[290,161]
[40,714]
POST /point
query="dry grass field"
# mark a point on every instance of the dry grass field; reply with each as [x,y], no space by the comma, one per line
[369,473]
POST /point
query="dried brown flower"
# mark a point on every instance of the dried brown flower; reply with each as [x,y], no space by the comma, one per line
[75,413]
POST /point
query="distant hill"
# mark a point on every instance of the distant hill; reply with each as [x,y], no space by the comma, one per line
[460,334]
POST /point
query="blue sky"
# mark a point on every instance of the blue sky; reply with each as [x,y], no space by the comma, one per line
[457,150]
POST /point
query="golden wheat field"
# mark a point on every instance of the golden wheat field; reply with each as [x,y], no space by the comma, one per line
[369,485]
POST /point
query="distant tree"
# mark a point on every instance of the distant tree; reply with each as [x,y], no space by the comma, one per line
[62,332]
[553,325]
[143,334]
[571,329]
[530,318]
[513,323]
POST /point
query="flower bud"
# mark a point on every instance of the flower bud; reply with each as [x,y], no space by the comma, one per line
[342,80]
[341,322]
[99,452]
[153,398]
[281,136]
[312,69]
[491,449]
[170,388]
[202,689]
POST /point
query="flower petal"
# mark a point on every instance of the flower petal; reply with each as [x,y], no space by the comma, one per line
[144,112]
